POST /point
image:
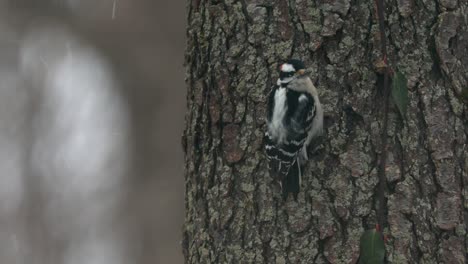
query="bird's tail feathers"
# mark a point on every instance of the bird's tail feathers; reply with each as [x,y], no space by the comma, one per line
[292,182]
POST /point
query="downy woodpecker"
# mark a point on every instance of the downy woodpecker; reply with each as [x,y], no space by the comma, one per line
[295,117]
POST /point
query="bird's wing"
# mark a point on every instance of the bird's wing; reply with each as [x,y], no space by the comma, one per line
[299,119]
[302,117]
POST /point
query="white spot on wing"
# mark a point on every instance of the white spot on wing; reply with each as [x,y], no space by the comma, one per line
[302,98]
[289,154]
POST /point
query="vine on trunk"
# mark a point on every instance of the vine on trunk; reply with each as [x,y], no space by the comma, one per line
[372,247]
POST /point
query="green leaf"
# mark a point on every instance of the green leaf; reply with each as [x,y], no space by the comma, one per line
[400,92]
[372,248]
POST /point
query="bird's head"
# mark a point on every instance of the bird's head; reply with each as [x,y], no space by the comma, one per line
[291,69]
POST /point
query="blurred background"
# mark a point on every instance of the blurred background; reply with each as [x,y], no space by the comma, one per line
[92,102]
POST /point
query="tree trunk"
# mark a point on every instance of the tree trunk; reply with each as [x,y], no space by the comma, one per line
[234,212]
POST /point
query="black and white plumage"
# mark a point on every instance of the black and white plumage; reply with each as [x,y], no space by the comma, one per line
[295,117]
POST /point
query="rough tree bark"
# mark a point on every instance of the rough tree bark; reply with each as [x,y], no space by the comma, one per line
[234,214]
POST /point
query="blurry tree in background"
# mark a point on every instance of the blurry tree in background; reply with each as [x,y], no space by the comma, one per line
[91,113]
[233,212]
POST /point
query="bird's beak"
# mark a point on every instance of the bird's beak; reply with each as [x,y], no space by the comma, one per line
[301,72]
